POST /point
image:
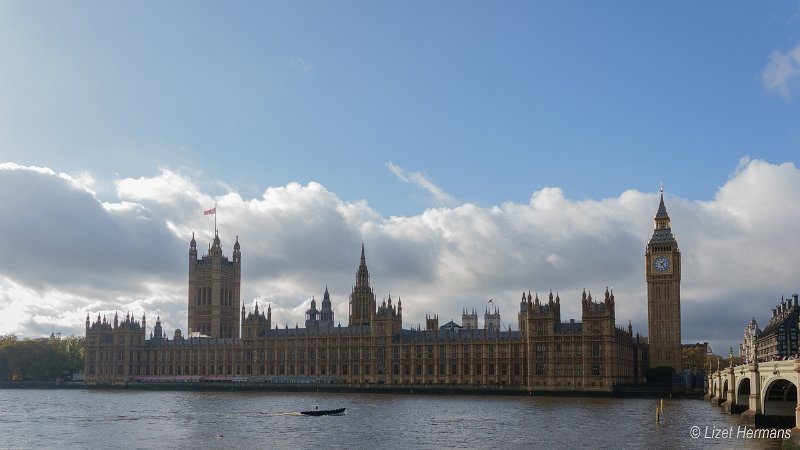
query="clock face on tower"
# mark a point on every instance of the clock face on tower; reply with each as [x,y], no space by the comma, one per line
[661,264]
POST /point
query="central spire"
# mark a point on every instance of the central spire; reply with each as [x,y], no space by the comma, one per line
[362,299]
[362,276]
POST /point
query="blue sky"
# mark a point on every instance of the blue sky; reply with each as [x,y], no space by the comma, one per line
[488,100]
[406,106]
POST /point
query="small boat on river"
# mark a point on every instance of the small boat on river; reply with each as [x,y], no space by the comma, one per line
[323,412]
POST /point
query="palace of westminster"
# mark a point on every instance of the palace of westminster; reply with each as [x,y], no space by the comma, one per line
[227,343]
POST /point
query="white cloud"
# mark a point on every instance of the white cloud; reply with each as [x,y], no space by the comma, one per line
[83,181]
[300,64]
[168,187]
[74,253]
[420,180]
[782,72]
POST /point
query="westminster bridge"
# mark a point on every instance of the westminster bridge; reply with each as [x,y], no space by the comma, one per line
[764,393]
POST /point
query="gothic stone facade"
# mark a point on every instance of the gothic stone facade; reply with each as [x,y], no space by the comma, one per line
[546,353]
[214,283]
[663,273]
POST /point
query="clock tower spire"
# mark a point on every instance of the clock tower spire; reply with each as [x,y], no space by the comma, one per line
[663,273]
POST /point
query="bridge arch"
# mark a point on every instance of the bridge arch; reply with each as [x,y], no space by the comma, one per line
[779,397]
[743,392]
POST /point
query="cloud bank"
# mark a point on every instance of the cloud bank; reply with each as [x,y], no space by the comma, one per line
[69,252]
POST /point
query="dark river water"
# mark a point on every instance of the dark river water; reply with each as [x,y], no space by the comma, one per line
[187,420]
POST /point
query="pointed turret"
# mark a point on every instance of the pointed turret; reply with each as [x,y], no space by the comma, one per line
[326,313]
[362,298]
[192,252]
[662,232]
[662,210]
[312,315]
[362,276]
[157,330]
[216,240]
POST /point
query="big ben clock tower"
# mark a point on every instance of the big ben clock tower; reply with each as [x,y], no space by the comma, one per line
[663,273]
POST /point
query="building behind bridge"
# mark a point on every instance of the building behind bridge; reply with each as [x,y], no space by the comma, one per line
[779,339]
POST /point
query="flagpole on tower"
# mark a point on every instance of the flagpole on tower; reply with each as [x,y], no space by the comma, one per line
[212,211]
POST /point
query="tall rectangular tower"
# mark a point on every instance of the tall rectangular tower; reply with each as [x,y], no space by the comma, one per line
[214,283]
[663,273]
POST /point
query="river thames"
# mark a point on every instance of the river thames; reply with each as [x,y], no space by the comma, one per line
[76,418]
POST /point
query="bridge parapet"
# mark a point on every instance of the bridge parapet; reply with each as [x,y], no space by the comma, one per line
[763,391]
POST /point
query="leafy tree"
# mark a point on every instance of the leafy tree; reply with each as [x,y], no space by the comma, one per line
[695,358]
[74,350]
[39,359]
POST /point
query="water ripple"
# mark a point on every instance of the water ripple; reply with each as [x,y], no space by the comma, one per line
[190,420]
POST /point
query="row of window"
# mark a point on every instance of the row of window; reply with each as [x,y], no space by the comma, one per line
[303,369]
[355,354]
[515,369]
